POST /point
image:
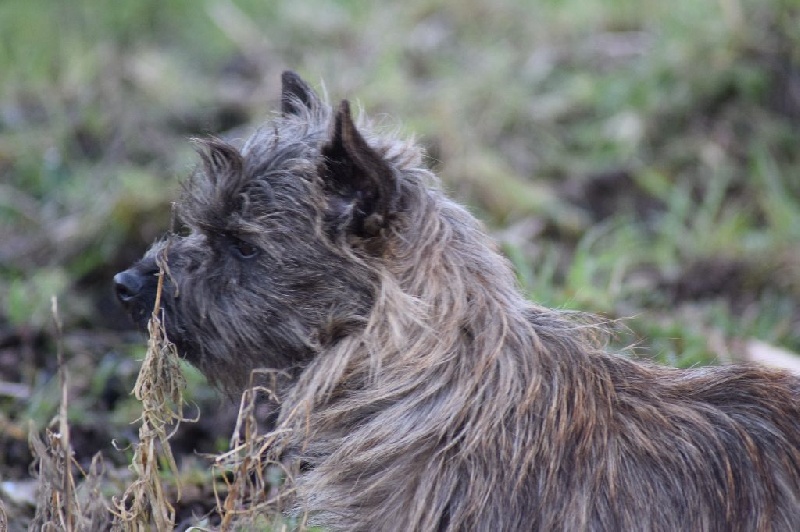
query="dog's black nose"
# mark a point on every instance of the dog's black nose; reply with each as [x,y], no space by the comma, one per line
[128,285]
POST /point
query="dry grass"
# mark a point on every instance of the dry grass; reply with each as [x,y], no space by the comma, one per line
[60,505]
[247,496]
[63,504]
[159,387]
[250,471]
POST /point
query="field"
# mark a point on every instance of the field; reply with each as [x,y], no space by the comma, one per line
[636,160]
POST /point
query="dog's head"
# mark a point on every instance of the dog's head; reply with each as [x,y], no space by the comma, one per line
[277,249]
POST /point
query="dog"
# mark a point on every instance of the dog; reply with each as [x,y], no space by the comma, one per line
[419,389]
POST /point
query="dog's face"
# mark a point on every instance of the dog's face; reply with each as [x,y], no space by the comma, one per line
[273,259]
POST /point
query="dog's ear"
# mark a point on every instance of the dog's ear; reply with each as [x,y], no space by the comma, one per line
[221,161]
[361,186]
[296,95]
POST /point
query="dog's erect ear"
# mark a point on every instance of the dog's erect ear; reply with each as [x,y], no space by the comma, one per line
[221,161]
[296,95]
[360,183]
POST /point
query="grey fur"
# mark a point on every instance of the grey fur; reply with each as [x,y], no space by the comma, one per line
[421,390]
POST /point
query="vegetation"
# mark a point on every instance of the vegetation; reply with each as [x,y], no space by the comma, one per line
[637,160]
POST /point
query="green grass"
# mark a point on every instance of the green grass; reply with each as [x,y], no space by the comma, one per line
[515,100]
[525,107]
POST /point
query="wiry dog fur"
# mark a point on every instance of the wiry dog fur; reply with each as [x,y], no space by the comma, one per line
[422,390]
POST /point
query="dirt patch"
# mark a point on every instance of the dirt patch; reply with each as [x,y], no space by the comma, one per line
[606,194]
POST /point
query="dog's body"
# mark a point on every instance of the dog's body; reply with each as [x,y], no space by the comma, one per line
[421,390]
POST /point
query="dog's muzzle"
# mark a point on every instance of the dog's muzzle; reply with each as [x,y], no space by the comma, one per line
[135,288]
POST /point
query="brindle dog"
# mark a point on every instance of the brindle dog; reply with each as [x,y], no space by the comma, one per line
[420,389]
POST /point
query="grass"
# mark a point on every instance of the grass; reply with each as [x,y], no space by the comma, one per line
[635,159]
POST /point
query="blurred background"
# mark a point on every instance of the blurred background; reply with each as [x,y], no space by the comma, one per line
[636,159]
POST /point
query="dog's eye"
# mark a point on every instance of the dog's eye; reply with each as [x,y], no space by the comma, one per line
[242,249]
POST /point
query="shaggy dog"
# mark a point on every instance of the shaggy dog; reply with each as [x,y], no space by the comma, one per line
[420,390]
